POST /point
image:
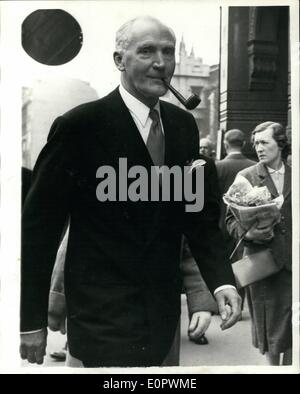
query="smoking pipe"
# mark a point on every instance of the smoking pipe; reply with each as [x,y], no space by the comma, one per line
[190,103]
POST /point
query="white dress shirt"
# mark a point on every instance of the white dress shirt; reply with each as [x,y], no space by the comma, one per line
[140,113]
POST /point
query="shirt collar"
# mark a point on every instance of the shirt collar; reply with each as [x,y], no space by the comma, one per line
[139,109]
[281,170]
[234,153]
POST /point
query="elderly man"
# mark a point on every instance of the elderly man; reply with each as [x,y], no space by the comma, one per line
[206,147]
[122,276]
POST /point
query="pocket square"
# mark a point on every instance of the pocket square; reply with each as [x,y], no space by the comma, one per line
[197,163]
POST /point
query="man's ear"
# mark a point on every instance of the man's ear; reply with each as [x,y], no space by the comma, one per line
[118,59]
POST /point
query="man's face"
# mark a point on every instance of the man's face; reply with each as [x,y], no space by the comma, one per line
[205,148]
[266,147]
[149,57]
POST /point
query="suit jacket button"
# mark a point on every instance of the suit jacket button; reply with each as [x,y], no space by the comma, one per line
[283,231]
[126,215]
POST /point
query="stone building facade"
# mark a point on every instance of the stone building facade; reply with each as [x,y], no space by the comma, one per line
[44,101]
[193,76]
[254,68]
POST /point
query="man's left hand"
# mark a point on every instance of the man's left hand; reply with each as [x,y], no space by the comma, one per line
[229,305]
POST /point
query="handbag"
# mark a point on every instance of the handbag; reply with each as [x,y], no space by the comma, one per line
[253,267]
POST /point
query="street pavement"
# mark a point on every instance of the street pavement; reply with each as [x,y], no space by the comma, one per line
[232,347]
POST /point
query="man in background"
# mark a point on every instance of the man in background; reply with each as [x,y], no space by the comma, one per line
[206,148]
[227,168]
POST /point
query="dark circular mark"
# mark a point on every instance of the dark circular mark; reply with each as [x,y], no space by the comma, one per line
[51,37]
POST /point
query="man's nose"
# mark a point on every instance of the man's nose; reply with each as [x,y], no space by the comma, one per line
[159,60]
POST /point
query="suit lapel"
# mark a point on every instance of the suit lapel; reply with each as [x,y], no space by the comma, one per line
[123,138]
[287,181]
[266,180]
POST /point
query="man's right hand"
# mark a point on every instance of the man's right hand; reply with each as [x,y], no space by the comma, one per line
[33,346]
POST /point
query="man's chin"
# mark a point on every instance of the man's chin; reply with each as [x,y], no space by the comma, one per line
[158,91]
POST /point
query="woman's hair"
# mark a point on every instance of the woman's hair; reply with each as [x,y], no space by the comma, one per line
[279,135]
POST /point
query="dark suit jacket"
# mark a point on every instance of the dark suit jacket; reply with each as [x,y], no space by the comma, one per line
[122,276]
[26,182]
[229,167]
[227,170]
[281,244]
[198,297]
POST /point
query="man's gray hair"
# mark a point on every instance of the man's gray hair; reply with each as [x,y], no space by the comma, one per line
[123,35]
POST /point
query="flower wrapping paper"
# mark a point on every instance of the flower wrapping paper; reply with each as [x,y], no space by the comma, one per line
[252,206]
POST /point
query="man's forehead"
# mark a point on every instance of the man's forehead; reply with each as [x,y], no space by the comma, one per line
[149,41]
[143,30]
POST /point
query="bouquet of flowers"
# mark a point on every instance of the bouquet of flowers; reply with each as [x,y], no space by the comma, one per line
[252,205]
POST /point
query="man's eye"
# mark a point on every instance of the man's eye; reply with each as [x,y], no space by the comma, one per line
[169,51]
[145,51]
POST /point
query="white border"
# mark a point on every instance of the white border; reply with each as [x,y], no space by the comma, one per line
[10,142]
